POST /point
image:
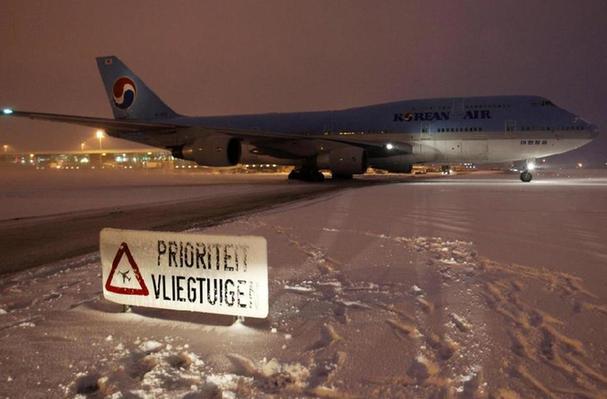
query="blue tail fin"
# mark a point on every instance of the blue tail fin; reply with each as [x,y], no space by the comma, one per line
[129,97]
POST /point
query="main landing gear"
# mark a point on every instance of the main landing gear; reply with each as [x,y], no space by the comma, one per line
[306,174]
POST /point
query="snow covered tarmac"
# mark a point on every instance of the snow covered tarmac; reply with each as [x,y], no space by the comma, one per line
[52,215]
[466,286]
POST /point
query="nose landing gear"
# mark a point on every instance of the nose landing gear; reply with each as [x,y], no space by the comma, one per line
[526,176]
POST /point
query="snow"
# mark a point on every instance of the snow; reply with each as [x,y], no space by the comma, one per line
[150,346]
[296,288]
[223,381]
[462,324]
[30,193]
[476,284]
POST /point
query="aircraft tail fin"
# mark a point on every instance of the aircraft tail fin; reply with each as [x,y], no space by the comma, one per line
[129,96]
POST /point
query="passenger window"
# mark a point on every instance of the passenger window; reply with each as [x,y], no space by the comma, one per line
[537,141]
[544,142]
[523,141]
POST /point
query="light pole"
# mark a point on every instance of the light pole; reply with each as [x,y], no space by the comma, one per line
[5,147]
[81,146]
[99,134]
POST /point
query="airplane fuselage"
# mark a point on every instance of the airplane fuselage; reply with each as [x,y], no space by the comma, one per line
[473,129]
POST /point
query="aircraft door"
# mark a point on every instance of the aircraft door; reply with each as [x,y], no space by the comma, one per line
[425,131]
[509,127]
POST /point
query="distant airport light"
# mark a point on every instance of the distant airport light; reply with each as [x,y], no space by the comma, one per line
[530,165]
[389,146]
[580,165]
[7,111]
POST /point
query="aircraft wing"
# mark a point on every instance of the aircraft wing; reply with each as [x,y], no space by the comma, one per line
[99,123]
[276,140]
[284,140]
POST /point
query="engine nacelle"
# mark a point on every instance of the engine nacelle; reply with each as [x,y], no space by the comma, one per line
[394,164]
[215,150]
[344,161]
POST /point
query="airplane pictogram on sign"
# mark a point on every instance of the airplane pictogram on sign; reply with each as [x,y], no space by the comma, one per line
[112,287]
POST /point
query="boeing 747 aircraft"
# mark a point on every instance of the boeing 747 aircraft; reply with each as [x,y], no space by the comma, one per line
[390,136]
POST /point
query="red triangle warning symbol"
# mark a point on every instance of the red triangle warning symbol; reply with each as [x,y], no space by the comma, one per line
[109,285]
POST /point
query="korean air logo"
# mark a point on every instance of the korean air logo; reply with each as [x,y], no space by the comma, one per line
[124,92]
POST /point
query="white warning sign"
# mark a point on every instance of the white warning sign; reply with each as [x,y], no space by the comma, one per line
[181,271]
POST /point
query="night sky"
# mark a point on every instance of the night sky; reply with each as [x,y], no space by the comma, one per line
[225,57]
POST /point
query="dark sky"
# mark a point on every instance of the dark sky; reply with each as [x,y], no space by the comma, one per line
[227,57]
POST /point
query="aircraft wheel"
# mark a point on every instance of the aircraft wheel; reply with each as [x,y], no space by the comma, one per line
[317,176]
[341,176]
[309,175]
[526,176]
[295,174]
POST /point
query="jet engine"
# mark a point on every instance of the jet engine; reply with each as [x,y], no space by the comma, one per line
[394,164]
[214,150]
[344,161]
